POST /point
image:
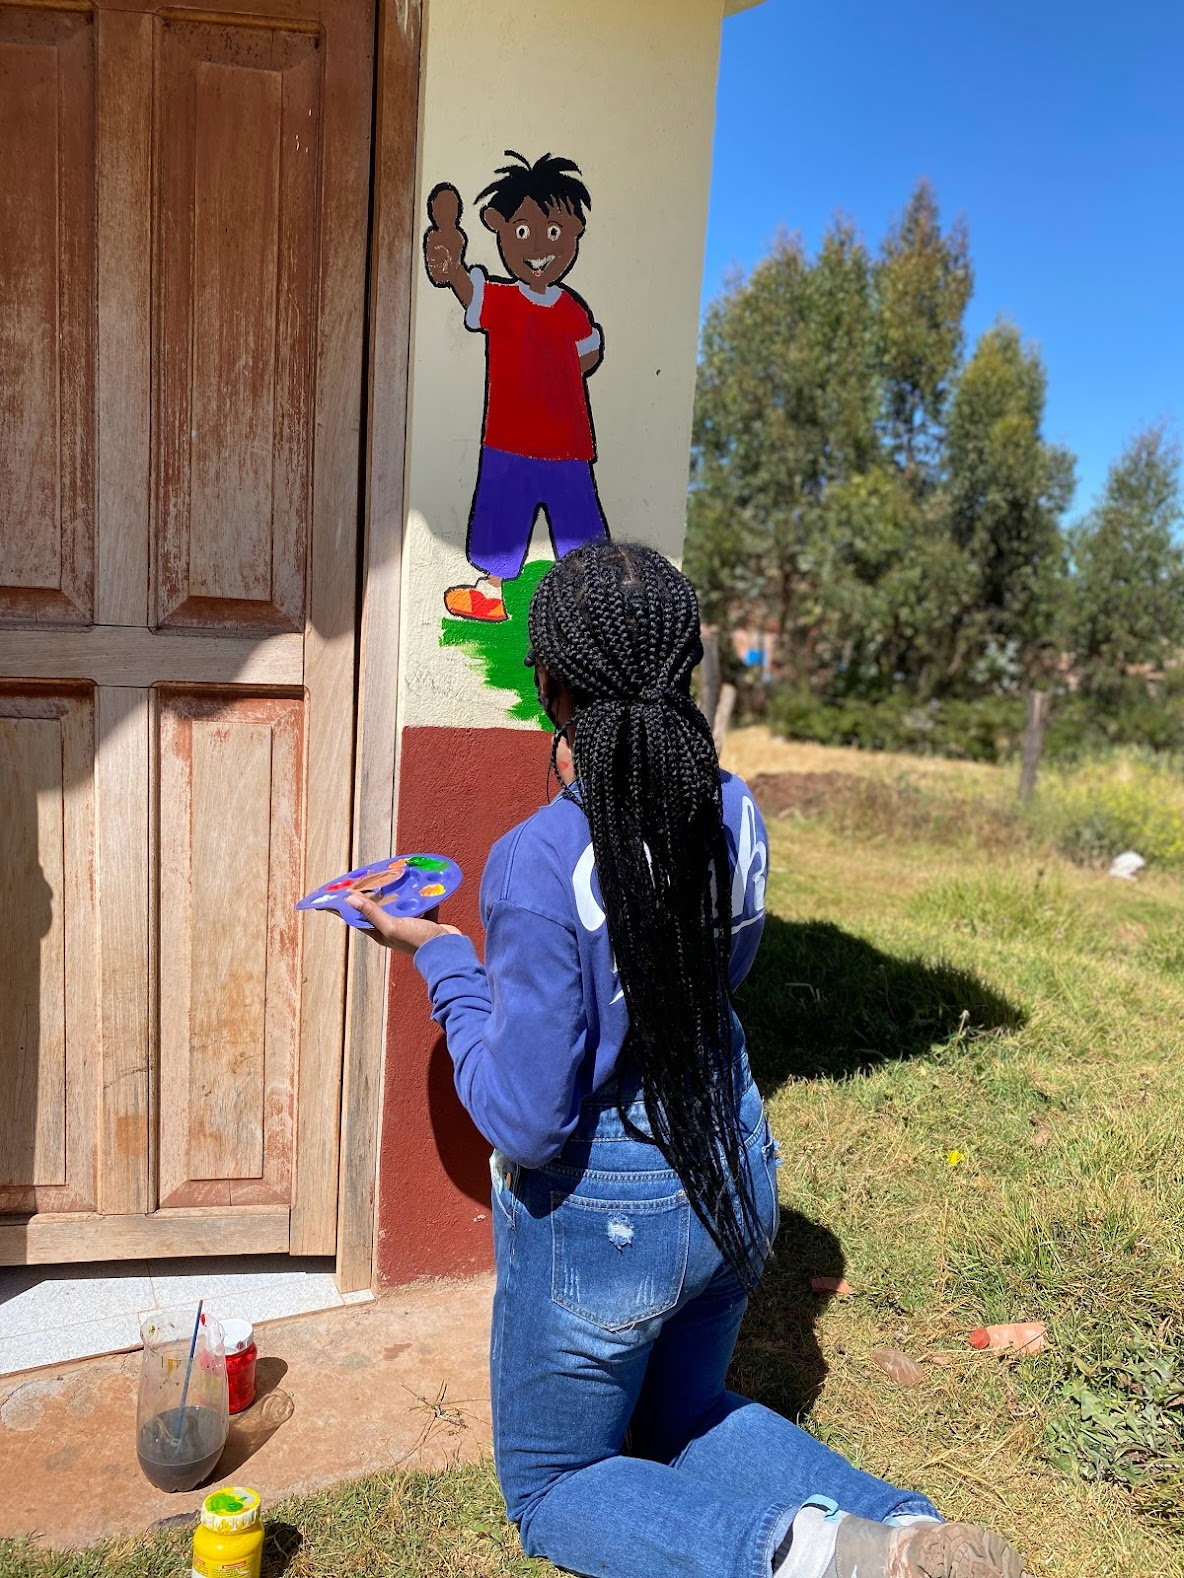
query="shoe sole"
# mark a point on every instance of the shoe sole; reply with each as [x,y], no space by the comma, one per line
[955,1550]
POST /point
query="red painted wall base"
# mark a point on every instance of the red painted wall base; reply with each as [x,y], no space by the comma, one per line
[459,790]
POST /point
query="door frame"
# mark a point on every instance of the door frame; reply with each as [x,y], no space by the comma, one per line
[393,254]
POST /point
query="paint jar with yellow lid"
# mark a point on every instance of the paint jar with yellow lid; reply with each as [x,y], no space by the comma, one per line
[228,1542]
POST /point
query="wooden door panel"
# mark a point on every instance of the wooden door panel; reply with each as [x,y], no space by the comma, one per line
[239,129]
[47,255]
[48,1002]
[183,213]
[230,798]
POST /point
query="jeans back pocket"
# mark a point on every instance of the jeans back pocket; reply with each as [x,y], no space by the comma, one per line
[618,1262]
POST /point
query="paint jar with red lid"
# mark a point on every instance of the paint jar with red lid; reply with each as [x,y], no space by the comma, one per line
[241,1354]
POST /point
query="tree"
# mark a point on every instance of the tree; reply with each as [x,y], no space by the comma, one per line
[786,405]
[923,282]
[1007,489]
[753,446]
[895,517]
[1127,605]
[841,352]
[892,576]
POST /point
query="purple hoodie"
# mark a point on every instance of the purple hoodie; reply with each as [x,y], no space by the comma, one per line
[541,1025]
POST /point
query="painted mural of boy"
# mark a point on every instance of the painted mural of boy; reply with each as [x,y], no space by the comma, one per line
[541,345]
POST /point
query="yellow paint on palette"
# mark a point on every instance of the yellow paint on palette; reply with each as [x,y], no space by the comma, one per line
[432,891]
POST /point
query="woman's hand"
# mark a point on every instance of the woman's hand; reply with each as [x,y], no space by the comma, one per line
[399,933]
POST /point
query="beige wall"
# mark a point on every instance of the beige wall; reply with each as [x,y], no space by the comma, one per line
[627,89]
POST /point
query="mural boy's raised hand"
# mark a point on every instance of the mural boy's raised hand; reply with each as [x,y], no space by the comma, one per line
[444,243]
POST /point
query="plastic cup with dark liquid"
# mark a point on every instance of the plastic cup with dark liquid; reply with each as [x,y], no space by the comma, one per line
[180,1432]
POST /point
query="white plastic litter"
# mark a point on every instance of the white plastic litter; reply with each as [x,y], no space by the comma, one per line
[1127,865]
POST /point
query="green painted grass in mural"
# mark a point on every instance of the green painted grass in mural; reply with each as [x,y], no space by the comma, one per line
[496,652]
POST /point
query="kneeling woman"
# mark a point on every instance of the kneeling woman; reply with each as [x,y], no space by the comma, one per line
[634,1196]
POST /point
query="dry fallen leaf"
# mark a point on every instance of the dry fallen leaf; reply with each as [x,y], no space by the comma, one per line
[1043,1132]
[839,1286]
[898,1366]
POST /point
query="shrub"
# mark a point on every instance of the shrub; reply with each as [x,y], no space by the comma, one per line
[1127,801]
[1083,726]
[986,728]
[982,729]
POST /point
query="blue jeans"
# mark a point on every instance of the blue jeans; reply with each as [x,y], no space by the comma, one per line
[615,1312]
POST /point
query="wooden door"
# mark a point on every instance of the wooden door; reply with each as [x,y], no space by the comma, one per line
[183,209]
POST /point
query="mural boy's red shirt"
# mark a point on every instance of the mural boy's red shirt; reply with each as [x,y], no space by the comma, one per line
[536,401]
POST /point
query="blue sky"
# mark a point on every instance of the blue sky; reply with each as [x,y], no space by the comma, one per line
[1057,130]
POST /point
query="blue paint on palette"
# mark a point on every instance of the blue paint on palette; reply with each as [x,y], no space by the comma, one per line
[404,885]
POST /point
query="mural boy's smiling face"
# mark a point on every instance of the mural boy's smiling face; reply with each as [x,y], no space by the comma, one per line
[537,247]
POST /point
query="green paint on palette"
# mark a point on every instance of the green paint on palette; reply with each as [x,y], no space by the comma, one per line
[427,863]
[496,651]
[225,1501]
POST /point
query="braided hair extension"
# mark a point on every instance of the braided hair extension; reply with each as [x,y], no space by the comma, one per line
[619,626]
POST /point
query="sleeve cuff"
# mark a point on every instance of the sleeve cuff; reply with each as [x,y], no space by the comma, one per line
[448,954]
[473,310]
[590,342]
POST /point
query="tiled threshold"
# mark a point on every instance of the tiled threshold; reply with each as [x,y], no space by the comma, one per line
[53,1314]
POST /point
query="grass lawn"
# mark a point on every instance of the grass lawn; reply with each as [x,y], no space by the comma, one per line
[928,986]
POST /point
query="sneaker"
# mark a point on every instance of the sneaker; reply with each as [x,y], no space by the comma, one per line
[473,602]
[921,1550]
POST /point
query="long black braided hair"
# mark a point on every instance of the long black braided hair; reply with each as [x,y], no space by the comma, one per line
[619,626]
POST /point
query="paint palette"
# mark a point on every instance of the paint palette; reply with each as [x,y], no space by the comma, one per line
[405,885]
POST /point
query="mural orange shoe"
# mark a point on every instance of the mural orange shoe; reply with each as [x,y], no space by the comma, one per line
[470,602]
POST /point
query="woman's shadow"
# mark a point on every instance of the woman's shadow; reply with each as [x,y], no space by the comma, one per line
[778,1359]
[824,1004]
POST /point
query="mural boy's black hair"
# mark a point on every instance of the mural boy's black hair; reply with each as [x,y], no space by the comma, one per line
[550,182]
[618,625]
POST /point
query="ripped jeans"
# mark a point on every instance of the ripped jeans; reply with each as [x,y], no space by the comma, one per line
[615,1312]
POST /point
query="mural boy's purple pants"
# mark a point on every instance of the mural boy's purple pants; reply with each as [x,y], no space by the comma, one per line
[511,489]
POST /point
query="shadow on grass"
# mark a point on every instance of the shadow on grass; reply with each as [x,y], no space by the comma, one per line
[282,1543]
[823,1004]
[778,1359]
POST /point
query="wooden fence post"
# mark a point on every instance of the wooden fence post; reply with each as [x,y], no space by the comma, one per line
[709,675]
[723,715]
[1035,726]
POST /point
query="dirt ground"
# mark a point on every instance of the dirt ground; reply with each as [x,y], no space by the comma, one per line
[399,1382]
